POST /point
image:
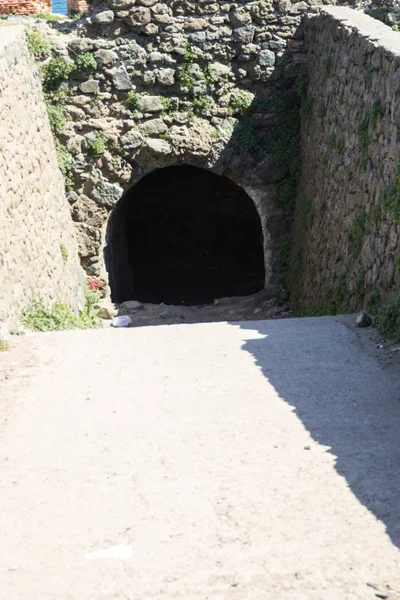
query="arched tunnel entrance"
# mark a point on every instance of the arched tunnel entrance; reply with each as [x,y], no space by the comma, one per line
[184,235]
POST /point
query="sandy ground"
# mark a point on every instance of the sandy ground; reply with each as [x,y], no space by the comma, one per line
[217,461]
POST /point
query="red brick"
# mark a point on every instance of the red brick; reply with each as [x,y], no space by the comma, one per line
[25,7]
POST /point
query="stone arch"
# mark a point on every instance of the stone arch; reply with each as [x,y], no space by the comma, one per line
[214,201]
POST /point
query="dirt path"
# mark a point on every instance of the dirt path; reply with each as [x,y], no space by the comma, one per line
[212,461]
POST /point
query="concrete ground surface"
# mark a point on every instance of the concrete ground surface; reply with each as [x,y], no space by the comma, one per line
[217,461]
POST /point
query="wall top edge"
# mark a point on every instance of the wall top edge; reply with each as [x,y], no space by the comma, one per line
[365,26]
[10,34]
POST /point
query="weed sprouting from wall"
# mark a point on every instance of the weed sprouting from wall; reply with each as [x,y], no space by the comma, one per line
[391,196]
[189,79]
[376,113]
[37,44]
[132,101]
[85,62]
[64,252]
[97,146]
[55,72]
[58,317]
[357,233]
[387,319]
[373,301]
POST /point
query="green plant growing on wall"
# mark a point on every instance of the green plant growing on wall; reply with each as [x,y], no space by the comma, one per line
[131,101]
[284,138]
[283,291]
[324,160]
[64,158]
[356,234]
[168,105]
[207,76]
[338,298]
[302,83]
[166,135]
[341,98]
[95,101]
[187,78]
[223,131]
[199,105]
[368,76]
[60,317]
[75,15]
[376,215]
[334,301]
[359,286]
[249,138]
[55,72]
[341,144]
[387,319]
[376,113]
[391,196]
[239,104]
[373,301]
[98,145]
[85,62]
[37,44]
[57,116]
[64,252]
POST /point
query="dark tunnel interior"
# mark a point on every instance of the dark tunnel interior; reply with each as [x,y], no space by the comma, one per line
[184,235]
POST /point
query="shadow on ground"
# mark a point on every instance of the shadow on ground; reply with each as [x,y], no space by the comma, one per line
[344,399]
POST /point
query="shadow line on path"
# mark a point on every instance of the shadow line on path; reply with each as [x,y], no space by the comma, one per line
[345,400]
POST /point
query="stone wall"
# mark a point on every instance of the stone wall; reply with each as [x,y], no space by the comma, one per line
[348,212]
[154,84]
[38,251]
[25,7]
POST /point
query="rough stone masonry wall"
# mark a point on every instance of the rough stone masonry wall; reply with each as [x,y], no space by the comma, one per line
[177,82]
[38,251]
[25,7]
[348,214]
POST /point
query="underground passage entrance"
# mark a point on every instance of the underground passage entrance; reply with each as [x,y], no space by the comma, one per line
[184,235]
